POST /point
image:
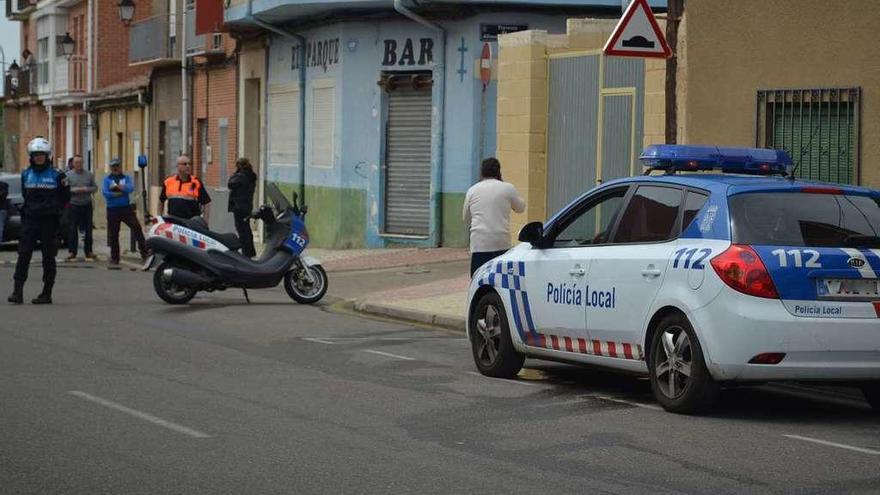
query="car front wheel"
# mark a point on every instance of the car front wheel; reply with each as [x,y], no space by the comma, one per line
[491,343]
[679,378]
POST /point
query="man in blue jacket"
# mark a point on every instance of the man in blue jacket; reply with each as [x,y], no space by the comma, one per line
[116,188]
[45,193]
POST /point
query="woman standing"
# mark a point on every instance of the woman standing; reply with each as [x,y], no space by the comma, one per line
[241,202]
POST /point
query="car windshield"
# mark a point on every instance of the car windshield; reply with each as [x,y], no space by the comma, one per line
[14,184]
[803,219]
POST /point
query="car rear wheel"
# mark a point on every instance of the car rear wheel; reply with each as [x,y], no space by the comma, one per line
[679,378]
[491,344]
[871,391]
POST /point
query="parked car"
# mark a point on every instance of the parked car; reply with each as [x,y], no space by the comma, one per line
[12,231]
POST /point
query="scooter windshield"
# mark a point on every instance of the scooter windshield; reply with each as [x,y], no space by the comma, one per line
[279,201]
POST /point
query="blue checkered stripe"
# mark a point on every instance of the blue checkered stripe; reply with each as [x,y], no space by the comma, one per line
[510,275]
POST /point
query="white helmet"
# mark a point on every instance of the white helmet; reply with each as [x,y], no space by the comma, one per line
[39,145]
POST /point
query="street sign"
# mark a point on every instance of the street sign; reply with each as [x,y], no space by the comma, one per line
[486,65]
[637,34]
[490,32]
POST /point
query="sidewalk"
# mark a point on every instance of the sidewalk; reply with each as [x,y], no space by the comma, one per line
[442,303]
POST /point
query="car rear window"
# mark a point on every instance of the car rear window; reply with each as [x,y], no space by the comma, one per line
[803,219]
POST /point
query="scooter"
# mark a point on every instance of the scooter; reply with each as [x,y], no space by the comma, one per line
[194,259]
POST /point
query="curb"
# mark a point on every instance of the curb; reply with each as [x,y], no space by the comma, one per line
[449,322]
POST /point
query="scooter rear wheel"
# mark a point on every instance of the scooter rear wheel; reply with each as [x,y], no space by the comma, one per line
[168,292]
[303,292]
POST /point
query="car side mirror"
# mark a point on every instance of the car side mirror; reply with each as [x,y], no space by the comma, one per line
[533,233]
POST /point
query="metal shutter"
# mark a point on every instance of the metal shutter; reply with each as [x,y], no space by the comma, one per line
[408,162]
[323,123]
[284,125]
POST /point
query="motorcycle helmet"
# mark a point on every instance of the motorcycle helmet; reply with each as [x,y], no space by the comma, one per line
[40,145]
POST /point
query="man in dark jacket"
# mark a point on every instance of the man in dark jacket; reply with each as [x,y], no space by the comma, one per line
[241,202]
[45,193]
[4,206]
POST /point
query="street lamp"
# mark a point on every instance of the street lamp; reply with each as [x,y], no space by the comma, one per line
[13,72]
[67,45]
[126,11]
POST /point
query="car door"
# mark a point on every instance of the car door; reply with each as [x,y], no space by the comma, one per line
[625,275]
[556,273]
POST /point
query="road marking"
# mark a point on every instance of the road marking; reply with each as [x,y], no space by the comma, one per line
[388,354]
[318,341]
[514,382]
[834,444]
[624,401]
[140,415]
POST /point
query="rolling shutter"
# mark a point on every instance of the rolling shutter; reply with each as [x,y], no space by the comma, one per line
[408,162]
[284,125]
[323,123]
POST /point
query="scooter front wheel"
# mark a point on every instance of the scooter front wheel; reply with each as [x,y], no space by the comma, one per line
[168,292]
[303,291]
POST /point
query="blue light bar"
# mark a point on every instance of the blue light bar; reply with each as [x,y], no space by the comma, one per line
[754,161]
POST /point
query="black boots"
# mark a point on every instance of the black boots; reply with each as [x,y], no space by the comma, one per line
[45,297]
[17,296]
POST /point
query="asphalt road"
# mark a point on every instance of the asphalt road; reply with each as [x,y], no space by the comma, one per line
[111,391]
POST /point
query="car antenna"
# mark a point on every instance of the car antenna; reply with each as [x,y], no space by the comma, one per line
[791,176]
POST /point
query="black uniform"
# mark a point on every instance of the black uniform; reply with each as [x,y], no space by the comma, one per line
[45,193]
[241,203]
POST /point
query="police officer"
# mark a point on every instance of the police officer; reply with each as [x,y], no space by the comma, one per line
[45,193]
[186,195]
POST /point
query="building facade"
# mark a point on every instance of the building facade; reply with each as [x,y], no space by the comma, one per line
[801,76]
[380,118]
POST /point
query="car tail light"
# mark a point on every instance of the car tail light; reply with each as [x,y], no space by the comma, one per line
[768,358]
[821,190]
[742,269]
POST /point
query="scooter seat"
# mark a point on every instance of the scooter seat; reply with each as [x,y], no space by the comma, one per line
[199,225]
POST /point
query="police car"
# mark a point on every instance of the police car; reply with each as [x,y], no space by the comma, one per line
[736,272]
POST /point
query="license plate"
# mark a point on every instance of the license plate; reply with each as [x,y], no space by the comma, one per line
[149,263]
[849,288]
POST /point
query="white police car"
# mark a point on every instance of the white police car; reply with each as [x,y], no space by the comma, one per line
[694,279]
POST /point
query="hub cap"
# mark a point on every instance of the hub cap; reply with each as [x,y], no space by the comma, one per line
[673,363]
[488,336]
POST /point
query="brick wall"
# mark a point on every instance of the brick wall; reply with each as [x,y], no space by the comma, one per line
[111,45]
[33,122]
[214,91]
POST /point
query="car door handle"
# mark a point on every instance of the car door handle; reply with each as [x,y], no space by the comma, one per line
[651,273]
[577,272]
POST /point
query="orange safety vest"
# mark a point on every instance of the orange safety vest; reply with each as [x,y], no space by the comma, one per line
[177,189]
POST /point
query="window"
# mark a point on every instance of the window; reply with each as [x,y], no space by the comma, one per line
[593,224]
[323,123]
[692,206]
[284,133]
[817,127]
[803,219]
[43,61]
[650,216]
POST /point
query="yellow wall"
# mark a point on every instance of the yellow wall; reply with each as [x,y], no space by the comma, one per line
[736,48]
[129,122]
[523,98]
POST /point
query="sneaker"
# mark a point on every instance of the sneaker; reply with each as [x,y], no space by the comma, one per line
[91,257]
[70,258]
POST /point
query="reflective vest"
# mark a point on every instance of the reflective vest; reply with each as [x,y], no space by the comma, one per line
[177,189]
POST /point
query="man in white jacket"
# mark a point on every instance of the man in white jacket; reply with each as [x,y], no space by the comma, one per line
[486,212]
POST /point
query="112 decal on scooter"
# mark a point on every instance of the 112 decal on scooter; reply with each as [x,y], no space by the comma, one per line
[298,239]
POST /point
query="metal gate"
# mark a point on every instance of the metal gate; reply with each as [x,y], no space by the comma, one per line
[595,119]
[408,161]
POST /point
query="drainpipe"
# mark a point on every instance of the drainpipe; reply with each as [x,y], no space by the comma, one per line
[439,118]
[302,94]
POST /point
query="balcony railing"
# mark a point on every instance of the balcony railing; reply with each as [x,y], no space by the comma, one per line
[25,85]
[210,44]
[150,41]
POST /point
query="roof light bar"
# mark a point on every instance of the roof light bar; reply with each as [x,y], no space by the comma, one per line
[752,161]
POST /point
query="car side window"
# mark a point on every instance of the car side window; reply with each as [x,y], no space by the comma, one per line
[692,206]
[593,224]
[650,216]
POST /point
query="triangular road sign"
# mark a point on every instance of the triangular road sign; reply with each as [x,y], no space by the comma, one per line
[637,34]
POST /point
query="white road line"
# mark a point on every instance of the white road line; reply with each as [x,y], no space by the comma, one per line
[834,444]
[388,354]
[140,415]
[628,402]
[318,341]
[514,382]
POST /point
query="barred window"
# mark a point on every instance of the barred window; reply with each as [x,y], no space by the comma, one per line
[819,128]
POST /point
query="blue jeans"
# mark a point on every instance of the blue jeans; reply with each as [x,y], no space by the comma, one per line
[3,214]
